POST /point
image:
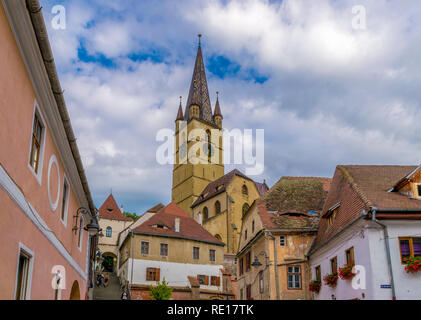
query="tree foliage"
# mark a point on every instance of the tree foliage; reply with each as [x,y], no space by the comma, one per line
[161,291]
[133,215]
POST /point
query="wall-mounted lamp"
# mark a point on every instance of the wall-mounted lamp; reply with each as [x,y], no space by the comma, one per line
[256,262]
[91,227]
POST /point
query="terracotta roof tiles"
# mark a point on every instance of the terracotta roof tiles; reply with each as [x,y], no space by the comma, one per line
[110,210]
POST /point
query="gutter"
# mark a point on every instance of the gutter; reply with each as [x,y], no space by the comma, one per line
[275,256]
[34,10]
[386,241]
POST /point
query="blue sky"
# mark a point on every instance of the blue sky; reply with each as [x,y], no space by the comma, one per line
[324,92]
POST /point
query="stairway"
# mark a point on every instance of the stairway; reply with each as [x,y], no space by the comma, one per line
[111,292]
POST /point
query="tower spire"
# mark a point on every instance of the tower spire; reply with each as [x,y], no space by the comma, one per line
[180,111]
[199,93]
[217,111]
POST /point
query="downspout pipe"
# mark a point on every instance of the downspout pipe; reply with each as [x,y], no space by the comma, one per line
[386,241]
[275,264]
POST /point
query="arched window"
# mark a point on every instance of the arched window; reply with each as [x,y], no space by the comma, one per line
[217,236]
[205,214]
[245,208]
[244,190]
[217,207]
[208,143]
[108,232]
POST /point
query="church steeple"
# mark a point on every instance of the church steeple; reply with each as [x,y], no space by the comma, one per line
[180,112]
[199,93]
[217,115]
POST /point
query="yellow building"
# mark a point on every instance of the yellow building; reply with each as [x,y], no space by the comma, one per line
[222,204]
[276,234]
[171,245]
[112,222]
[198,141]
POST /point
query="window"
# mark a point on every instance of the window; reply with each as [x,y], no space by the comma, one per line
[410,247]
[217,207]
[294,277]
[282,241]
[241,266]
[79,240]
[144,248]
[208,144]
[349,254]
[108,232]
[195,253]
[334,265]
[248,292]
[245,234]
[203,279]
[261,287]
[37,134]
[205,214]
[248,261]
[331,217]
[244,190]
[153,274]
[164,249]
[217,236]
[65,200]
[23,276]
[212,255]
[215,281]
[418,189]
[245,208]
[252,226]
[318,273]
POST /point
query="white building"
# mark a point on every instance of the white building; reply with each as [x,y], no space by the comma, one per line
[372,216]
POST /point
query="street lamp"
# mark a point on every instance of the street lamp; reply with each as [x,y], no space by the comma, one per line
[92,228]
[256,262]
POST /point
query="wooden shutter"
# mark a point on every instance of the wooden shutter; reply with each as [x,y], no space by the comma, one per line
[157,274]
[206,280]
[147,273]
[217,281]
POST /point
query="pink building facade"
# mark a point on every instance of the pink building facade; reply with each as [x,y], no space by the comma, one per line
[46,248]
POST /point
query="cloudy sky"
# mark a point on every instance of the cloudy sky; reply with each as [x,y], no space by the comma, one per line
[326,88]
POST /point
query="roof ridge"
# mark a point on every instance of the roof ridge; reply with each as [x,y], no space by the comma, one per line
[348,177]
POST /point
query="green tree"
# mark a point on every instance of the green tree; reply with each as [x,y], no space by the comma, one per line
[133,215]
[161,291]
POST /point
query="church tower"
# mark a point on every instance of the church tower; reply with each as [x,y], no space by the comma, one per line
[198,141]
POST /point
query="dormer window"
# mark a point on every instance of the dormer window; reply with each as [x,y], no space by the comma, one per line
[160,226]
[331,214]
[418,190]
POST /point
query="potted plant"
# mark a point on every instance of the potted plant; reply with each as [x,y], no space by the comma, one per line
[346,272]
[413,264]
[331,279]
[315,286]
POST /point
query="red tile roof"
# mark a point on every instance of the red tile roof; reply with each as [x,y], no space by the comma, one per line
[189,228]
[287,204]
[359,188]
[218,186]
[110,210]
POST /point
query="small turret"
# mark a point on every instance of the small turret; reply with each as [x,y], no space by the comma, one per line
[217,115]
[180,116]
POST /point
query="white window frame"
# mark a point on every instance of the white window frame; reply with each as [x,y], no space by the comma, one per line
[282,241]
[31,256]
[106,232]
[67,195]
[38,175]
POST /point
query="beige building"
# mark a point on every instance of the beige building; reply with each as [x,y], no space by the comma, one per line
[222,204]
[170,245]
[276,234]
[198,137]
[112,222]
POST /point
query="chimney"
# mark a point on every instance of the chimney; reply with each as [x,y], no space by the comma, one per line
[121,209]
[177,225]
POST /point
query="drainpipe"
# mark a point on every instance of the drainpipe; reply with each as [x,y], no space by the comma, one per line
[276,263]
[131,271]
[386,240]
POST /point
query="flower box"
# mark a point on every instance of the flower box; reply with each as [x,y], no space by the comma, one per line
[346,272]
[315,286]
[331,279]
[413,264]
